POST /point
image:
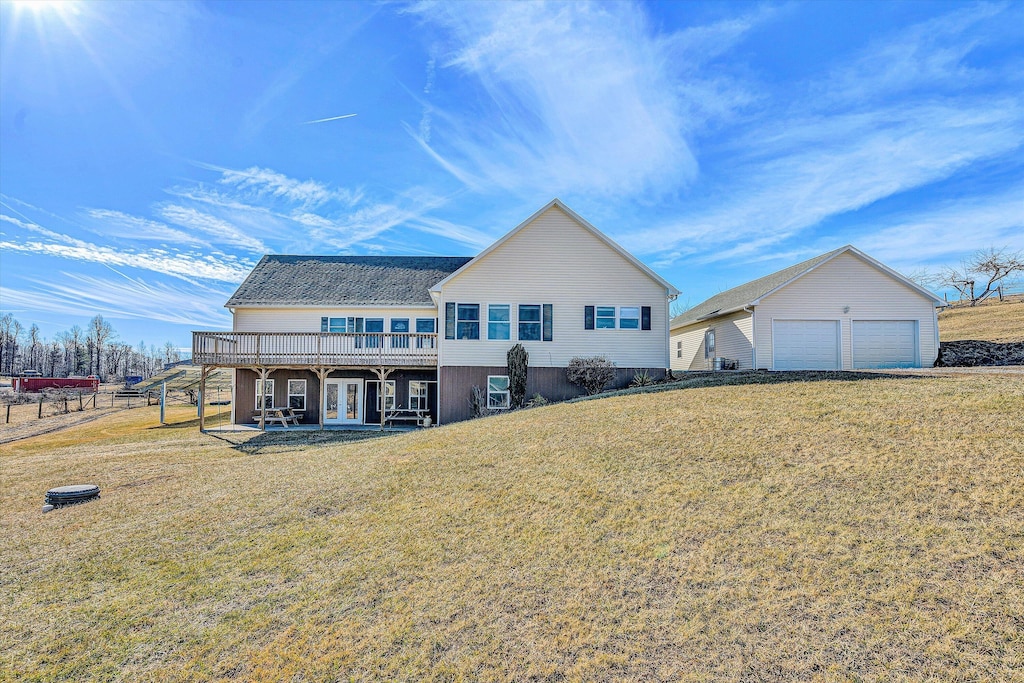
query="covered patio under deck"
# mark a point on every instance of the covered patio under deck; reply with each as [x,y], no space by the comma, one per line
[333,358]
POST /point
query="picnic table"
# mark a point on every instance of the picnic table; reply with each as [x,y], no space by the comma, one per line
[281,416]
[416,415]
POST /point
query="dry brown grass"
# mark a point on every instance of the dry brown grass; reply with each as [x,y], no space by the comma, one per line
[830,530]
[993,321]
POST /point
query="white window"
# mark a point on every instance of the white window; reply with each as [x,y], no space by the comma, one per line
[606,317]
[529,322]
[497,392]
[401,326]
[389,395]
[264,394]
[375,325]
[333,324]
[679,349]
[629,318]
[499,325]
[468,326]
[297,394]
[417,395]
[425,326]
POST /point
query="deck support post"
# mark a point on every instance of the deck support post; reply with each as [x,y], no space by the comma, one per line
[382,373]
[321,374]
[264,373]
[203,372]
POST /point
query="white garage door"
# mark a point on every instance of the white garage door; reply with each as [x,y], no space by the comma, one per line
[806,344]
[885,344]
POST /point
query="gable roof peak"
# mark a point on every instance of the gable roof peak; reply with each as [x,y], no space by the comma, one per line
[751,293]
[556,202]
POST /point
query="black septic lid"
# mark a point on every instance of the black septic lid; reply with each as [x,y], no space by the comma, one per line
[77,493]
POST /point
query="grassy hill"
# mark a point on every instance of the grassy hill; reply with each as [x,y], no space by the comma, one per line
[833,530]
[993,321]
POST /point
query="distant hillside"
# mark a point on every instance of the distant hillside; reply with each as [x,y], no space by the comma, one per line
[998,321]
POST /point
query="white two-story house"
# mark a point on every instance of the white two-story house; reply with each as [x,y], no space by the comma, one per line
[338,339]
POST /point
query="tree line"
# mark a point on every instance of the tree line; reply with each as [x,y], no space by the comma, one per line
[95,350]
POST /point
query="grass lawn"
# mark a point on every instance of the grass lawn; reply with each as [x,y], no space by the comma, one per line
[994,321]
[827,530]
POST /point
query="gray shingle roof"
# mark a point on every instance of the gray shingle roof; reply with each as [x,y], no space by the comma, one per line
[738,297]
[341,280]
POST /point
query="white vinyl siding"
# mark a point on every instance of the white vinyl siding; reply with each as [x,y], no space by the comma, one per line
[846,289]
[806,345]
[885,344]
[556,260]
[734,335]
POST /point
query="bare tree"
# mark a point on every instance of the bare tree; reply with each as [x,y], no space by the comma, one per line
[74,340]
[100,333]
[14,341]
[116,354]
[678,307]
[988,267]
[35,347]
[6,330]
[171,354]
[55,356]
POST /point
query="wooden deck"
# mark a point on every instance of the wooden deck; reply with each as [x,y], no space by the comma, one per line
[313,349]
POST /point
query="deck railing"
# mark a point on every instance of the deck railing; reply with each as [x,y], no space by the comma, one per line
[244,349]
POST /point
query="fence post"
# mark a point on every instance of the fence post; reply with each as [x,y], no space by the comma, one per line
[40,406]
[8,414]
[80,407]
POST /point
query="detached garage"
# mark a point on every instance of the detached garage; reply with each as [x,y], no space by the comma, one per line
[842,310]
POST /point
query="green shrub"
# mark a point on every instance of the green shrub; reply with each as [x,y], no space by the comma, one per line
[518,360]
[641,379]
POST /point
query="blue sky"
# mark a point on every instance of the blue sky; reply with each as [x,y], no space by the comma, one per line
[150,153]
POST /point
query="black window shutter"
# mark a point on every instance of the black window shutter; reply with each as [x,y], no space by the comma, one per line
[548,322]
[323,324]
[588,317]
[645,317]
[449,320]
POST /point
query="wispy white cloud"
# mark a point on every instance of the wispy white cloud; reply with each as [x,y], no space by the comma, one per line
[824,167]
[188,266]
[932,55]
[262,182]
[944,233]
[462,234]
[578,96]
[217,229]
[72,293]
[117,224]
[801,163]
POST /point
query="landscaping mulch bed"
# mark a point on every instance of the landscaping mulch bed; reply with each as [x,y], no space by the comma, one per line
[972,353]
